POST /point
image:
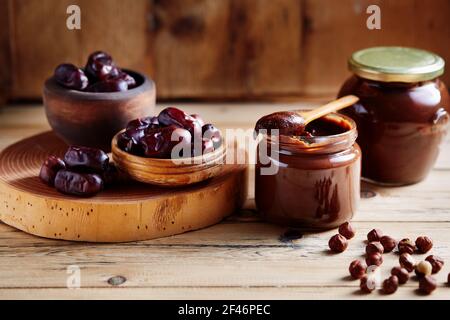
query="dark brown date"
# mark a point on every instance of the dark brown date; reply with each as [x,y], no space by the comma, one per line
[100,66]
[50,168]
[86,159]
[173,116]
[111,85]
[71,77]
[158,143]
[78,184]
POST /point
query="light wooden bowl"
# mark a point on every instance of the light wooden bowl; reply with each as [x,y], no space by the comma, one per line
[93,118]
[168,172]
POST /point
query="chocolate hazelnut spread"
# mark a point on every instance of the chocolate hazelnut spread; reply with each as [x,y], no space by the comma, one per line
[318,179]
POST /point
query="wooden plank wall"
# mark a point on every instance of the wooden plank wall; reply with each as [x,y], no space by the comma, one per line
[209,49]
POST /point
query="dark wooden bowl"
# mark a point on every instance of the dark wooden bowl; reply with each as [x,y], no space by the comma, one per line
[92,119]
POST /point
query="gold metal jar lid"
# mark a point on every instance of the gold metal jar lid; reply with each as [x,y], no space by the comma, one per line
[396,64]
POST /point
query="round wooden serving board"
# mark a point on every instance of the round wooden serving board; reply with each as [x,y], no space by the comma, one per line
[127,212]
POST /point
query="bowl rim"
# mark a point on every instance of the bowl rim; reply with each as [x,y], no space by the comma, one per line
[51,86]
[123,154]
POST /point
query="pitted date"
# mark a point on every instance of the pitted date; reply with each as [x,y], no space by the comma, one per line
[50,168]
[71,77]
[78,184]
[100,66]
[99,75]
[86,159]
[177,117]
[110,85]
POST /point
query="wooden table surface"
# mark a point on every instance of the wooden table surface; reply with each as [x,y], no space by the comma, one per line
[240,258]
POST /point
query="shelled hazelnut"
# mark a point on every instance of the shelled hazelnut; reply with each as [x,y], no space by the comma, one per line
[346,230]
[374,235]
[401,273]
[427,284]
[423,268]
[367,284]
[407,262]
[374,259]
[338,243]
[357,269]
[390,285]
[424,244]
[436,262]
[388,243]
[406,246]
[374,247]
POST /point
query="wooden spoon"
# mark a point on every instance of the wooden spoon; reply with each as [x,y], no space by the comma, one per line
[293,123]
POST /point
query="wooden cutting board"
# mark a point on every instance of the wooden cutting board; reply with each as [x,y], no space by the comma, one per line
[126,212]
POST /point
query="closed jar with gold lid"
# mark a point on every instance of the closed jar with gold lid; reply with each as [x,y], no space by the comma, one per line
[402,115]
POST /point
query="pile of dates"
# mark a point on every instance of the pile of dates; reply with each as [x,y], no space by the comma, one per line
[171,134]
[83,172]
[99,75]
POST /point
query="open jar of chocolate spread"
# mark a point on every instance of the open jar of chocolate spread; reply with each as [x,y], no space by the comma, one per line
[310,181]
[402,114]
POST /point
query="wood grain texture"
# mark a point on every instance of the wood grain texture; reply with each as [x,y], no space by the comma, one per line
[5,51]
[41,40]
[228,49]
[241,258]
[126,212]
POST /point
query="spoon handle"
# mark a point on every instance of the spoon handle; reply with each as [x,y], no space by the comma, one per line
[330,107]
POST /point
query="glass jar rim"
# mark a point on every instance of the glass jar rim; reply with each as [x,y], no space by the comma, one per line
[320,144]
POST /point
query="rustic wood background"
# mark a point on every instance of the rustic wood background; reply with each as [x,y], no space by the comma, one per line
[210,49]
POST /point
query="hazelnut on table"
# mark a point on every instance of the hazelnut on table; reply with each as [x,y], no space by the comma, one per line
[427,284]
[436,262]
[374,247]
[423,268]
[388,243]
[357,269]
[401,273]
[390,285]
[346,230]
[407,262]
[338,243]
[406,246]
[424,244]
[374,235]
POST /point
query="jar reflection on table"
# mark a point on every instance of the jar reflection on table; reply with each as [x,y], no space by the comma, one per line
[401,124]
[317,185]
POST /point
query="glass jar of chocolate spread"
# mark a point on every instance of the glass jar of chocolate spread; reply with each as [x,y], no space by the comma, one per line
[316,181]
[402,115]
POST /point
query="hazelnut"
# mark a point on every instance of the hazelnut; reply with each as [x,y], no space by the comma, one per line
[436,262]
[401,273]
[374,247]
[407,261]
[424,244]
[390,285]
[374,235]
[388,243]
[427,284]
[423,268]
[374,259]
[367,284]
[406,246]
[346,230]
[357,269]
[338,243]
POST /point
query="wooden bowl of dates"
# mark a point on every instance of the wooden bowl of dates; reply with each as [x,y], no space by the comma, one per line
[93,118]
[169,172]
